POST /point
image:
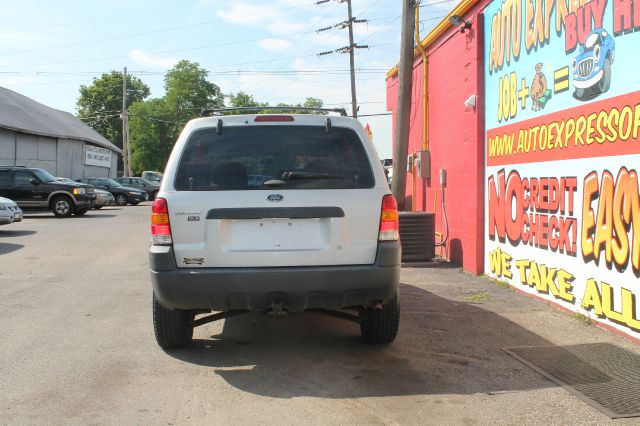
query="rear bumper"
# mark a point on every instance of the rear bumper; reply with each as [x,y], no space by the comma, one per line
[256,289]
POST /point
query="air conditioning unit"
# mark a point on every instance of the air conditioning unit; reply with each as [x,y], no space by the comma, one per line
[418,236]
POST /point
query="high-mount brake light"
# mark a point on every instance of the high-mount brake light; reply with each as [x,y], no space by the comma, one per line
[273,118]
[389,225]
[160,226]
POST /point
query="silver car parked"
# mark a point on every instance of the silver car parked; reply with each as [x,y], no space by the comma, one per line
[9,211]
[103,198]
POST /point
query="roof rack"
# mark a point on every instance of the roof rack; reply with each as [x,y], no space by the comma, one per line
[208,112]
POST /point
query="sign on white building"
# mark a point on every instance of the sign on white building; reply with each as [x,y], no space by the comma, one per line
[96,156]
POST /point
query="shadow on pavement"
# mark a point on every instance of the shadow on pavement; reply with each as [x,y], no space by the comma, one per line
[431,264]
[8,248]
[88,215]
[95,216]
[11,233]
[443,347]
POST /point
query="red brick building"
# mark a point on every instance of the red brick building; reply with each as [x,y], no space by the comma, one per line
[454,134]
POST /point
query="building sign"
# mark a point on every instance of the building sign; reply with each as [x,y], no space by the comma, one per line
[562,210]
[96,156]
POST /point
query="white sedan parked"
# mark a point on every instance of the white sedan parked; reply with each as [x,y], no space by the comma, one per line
[9,211]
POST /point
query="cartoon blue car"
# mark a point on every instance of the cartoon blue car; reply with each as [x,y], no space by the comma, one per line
[592,66]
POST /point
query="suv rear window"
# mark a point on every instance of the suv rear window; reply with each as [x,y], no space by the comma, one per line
[300,157]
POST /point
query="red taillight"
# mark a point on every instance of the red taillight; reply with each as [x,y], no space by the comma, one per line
[274,118]
[389,225]
[160,227]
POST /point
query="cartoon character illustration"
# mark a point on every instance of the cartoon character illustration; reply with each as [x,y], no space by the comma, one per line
[592,66]
[539,92]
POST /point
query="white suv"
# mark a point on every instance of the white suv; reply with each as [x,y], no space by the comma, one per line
[321,233]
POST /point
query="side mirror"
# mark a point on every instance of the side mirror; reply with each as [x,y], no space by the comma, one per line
[34,181]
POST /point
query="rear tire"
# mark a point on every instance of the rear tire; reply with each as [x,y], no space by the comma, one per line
[173,328]
[62,206]
[380,326]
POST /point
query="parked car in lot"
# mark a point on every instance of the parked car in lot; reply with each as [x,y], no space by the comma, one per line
[322,233]
[152,176]
[103,198]
[122,194]
[34,188]
[9,211]
[149,187]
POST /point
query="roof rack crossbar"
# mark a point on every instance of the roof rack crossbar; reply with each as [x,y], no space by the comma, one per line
[207,112]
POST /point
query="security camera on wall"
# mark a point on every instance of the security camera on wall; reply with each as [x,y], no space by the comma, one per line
[470,104]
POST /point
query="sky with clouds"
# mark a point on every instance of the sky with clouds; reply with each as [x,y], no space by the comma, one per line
[267,49]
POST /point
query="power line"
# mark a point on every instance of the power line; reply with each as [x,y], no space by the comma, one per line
[158,119]
[375,115]
[427,4]
[348,49]
[180,27]
[211,71]
[295,42]
[99,116]
[188,49]
[384,27]
[181,50]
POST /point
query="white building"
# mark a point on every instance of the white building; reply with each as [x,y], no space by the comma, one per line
[34,135]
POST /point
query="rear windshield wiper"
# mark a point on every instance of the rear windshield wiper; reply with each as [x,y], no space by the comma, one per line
[289,175]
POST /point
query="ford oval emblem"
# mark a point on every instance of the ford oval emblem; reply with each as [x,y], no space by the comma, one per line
[275,197]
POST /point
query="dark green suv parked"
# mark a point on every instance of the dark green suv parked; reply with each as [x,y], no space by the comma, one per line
[149,187]
[122,194]
[34,188]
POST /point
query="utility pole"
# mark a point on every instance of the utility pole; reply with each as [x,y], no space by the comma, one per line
[403,112]
[354,102]
[350,48]
[129,165]
[125,154]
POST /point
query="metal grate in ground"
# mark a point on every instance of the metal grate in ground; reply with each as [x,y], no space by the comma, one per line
[603,375]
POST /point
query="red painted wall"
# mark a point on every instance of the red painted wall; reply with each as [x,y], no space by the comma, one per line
[455,138]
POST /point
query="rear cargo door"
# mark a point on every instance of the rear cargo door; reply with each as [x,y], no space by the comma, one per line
[286,195]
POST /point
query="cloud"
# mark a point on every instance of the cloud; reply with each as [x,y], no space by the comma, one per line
[246,14]
[274,44]
[146,59]
[280,26]
[332,39]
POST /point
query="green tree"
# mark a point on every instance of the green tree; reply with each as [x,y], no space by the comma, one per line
[156,124]
[152,129]
[242,99]
[308,103]
[313,103]
[100,103]
[188,91]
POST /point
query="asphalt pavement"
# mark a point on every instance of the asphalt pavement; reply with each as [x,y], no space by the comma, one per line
[78,346]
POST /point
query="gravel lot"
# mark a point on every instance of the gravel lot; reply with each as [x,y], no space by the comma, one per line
[78,346]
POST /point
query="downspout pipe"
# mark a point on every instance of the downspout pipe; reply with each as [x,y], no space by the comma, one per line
[425,107]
